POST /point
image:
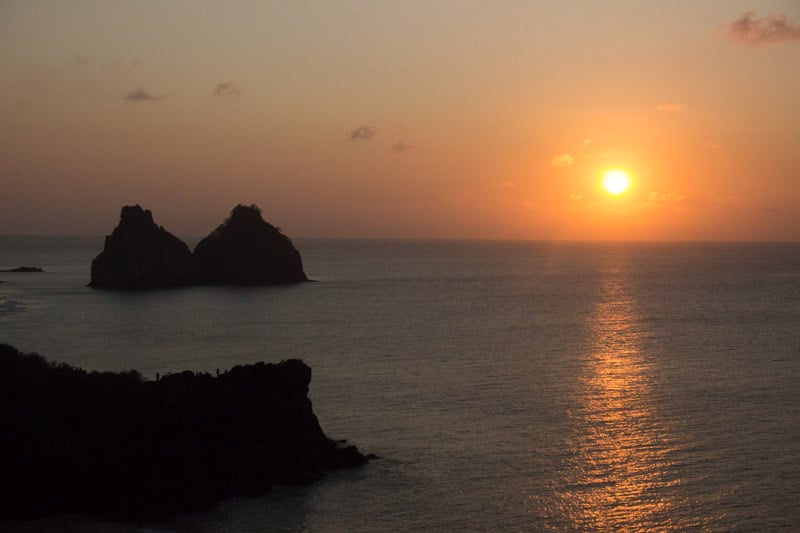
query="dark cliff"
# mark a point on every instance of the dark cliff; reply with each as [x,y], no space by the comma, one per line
[115,445]
[244,250]
[247,250]
[141,255]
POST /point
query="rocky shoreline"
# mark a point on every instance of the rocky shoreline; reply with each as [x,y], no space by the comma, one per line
[118,446]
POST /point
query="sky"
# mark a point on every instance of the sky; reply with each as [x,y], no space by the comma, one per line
[413,119]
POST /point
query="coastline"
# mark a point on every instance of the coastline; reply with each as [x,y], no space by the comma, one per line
[113,445]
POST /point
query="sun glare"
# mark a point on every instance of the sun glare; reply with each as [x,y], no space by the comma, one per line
[616,181]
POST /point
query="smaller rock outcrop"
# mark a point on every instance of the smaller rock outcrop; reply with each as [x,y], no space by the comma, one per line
[24,270]
[247,250]
[141,255]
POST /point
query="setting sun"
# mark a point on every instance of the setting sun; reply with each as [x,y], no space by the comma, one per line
[616,181]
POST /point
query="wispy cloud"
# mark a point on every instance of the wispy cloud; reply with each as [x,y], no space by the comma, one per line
[83,61]
[363,133]
[227,88]
[671,108]
[140,95]
[770,29]
[400,147]
[663,197]
[562,160]
[710,145]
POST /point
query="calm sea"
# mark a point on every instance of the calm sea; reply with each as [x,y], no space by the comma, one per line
[528,386]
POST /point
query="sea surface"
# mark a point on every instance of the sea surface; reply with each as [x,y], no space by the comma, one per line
[506,386]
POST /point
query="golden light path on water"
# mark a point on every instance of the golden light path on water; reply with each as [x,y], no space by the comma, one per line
[620,475]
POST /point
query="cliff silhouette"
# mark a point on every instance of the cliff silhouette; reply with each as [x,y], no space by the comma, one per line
[243,250]
[116,445]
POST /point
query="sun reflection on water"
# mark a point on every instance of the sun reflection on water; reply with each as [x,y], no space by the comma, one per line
[620,474]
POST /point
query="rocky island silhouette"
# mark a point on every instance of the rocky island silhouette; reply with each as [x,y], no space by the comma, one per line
[118,446]
[23,270]
[243,250]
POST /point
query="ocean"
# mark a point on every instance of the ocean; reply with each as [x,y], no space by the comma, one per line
[506,386]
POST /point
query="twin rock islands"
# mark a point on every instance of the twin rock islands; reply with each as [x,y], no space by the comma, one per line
[119,446]
[243,250]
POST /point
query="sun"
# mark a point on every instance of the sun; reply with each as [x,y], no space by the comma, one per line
[616,181]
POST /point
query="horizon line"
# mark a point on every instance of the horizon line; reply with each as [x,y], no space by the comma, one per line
[451,239]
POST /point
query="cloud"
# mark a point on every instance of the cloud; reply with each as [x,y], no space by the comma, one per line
[227,88]
[712,145]
[663,197]
[82,61]
[140,95]
[563,160]
[363,133]
[771,29]
[671,108]
[400,147]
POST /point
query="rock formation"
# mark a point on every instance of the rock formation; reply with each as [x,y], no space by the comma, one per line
[244,250]
[115,445]
[24,270]
[141,255]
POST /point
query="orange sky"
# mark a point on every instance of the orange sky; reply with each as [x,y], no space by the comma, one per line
[404,119]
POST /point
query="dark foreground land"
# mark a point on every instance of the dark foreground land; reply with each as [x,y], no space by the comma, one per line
[118,446]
